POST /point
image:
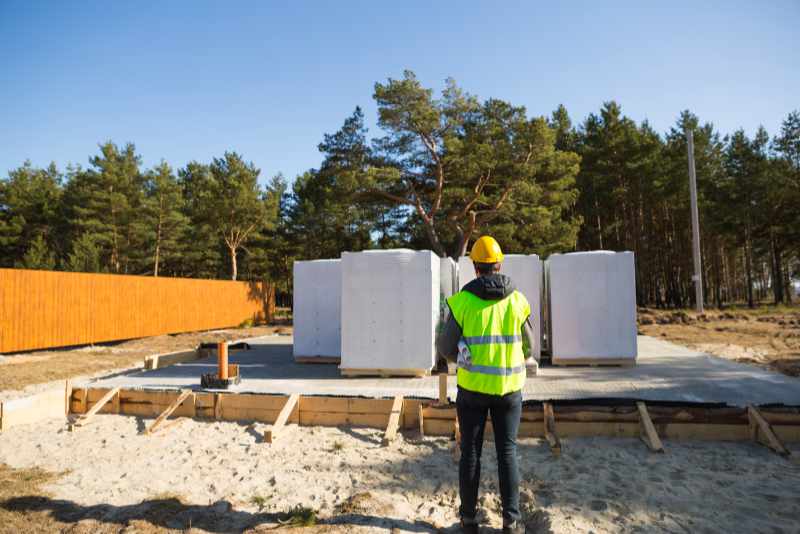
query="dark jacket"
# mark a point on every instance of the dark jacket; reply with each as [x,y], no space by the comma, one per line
[490,287]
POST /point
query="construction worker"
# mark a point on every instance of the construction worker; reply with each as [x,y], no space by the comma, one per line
[484,333]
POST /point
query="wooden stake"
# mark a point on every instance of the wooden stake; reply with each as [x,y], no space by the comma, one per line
[283,416]
[171,408]
[217,406]
[648,430]
[421,421]
[394,420]
[761,432]
[85,401]
[550,429]
[443,389]
[82,420]
[67,395]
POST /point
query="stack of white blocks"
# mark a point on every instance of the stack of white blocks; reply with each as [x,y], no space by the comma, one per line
[390,310]
[525,270]
[592,298]
[317,308]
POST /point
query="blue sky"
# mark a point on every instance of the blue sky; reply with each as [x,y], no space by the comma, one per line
[188,79]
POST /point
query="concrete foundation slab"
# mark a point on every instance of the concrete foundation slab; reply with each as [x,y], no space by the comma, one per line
[664,372]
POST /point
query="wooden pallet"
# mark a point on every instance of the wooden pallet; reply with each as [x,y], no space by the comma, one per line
[318,359]
[386,373]
[594,362]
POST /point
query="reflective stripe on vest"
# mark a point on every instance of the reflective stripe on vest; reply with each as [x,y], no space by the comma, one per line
[491,329]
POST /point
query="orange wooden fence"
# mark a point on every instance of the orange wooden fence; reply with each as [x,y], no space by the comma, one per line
[40,309]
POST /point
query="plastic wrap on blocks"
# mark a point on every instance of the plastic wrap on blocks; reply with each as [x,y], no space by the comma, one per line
[317,308]
[592,305]
[525,270]
[390,309]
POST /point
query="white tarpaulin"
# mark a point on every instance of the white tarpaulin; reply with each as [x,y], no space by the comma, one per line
[592,305]
[317,308]
[390,309]
[525,270]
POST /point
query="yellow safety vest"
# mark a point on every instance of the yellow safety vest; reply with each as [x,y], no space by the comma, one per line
[492,329]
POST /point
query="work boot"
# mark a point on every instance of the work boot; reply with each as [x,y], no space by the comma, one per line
[469,526]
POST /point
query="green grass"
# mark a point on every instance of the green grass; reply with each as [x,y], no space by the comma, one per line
[299,516]
[260,501]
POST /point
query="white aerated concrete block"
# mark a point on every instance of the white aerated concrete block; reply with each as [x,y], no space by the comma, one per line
[592,306]
[390,309]
[317,308]
[448,285]
[525,270]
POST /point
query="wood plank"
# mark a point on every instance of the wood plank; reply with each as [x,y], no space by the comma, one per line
[288,408]
[318,359]
[85,418]
[166,413]
[116,403]
[254,401]
[217,406]
[370,420]
[421,420]
[85,400]
[761,432]
[443,389]
[415,373]
[67,396]
[648,434]
[346,405]
[550,429]
[394,420]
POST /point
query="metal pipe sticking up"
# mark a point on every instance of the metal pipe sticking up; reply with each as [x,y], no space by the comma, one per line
[222,359]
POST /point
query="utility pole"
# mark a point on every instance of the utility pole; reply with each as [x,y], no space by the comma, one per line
[698,273]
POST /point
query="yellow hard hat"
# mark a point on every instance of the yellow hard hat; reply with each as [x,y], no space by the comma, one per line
[486,250]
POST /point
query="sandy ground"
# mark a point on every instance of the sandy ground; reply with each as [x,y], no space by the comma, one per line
[222,477]
[27,373]
[766,337]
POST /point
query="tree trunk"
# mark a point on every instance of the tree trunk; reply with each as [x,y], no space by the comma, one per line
[233,263]
[777,271]
[748,258]
[158,247]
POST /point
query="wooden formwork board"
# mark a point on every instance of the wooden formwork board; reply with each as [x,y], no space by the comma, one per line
[671,422]
[25,410]
[157,361]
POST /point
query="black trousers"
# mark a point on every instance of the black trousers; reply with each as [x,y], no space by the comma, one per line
[472,410]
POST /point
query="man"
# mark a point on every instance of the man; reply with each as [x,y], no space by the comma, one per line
[484,333]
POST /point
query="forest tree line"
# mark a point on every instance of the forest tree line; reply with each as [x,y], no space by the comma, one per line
[443,170]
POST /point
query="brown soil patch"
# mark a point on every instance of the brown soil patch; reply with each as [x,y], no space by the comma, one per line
[767,336]
[21,370]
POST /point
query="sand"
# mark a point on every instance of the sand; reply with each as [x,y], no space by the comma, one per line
[226,472]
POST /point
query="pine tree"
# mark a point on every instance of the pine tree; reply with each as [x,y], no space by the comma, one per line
[85,255]
[165,225]
[230,201]
[30,209]
[105,202]
[38,256]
